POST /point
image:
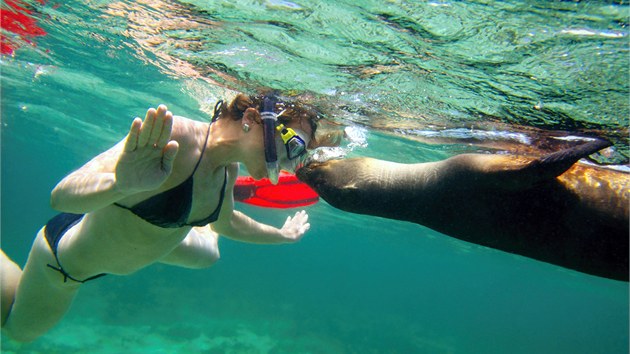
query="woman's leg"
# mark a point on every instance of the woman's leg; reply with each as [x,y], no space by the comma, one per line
[9,279]
[42,297]
[198,250]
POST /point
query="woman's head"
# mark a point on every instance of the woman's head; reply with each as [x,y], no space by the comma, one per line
[291,114]
[294,131]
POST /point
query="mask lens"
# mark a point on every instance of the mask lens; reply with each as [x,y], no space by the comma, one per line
[292,142]
[295,147]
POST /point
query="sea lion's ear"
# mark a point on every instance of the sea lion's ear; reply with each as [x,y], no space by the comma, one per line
[555,164]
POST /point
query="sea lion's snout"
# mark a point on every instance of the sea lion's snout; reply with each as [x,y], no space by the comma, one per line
[312,173]
[326,178]
[333,174]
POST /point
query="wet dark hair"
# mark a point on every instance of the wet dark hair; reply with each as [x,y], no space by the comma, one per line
[287,111]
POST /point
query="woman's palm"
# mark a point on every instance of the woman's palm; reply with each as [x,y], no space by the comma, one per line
[147,158]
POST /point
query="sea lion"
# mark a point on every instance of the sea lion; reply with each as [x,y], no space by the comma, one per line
[551,208]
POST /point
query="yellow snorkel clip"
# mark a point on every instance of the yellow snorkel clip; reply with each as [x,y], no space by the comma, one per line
[285,133]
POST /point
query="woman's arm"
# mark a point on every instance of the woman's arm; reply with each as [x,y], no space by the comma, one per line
[243,228]
[141,162]
[91,187]
[238,226]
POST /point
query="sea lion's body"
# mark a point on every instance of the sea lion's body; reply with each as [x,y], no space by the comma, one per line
[549,209]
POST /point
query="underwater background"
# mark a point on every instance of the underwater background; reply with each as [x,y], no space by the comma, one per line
[401,72]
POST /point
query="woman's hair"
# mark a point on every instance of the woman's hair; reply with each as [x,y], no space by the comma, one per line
[287,111]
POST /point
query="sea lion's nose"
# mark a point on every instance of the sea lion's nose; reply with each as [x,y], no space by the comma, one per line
[312,173]
[305,173]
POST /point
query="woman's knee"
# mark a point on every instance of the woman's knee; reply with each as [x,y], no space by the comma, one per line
[209,258]
[207,246]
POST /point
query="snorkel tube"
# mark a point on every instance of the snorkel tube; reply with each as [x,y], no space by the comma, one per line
[269,119]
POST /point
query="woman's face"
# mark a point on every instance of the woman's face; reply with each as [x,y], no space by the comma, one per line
[256,165]
[287,164]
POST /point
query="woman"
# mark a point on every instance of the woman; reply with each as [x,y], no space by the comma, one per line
[160,195]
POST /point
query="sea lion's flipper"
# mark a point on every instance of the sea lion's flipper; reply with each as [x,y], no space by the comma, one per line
[521,172]
[555,164]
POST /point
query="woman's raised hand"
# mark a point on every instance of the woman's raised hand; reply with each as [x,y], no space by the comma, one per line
[147,157]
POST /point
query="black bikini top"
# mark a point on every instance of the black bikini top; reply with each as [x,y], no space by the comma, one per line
[171,208]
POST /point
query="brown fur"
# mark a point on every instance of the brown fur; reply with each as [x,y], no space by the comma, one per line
[549,208]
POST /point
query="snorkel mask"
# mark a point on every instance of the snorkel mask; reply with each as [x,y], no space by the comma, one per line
[295,146]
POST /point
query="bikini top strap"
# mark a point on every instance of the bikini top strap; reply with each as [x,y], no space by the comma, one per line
[205,144]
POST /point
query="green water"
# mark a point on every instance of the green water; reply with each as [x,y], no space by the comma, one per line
[354,284]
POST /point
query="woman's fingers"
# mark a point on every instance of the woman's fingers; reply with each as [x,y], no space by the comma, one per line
[156,129]
[301,216]
[132,139]
[165,131]
[147,127]
[168,156]
[158,125]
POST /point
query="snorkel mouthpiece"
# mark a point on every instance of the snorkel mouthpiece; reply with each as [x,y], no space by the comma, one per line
[269,119]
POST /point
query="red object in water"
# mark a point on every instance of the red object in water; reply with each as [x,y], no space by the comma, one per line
[16,18]
[288,193]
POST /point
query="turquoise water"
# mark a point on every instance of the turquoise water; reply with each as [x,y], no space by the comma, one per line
[354,284]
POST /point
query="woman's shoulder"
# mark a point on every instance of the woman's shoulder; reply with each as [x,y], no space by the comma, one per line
[190,134]
[186,128]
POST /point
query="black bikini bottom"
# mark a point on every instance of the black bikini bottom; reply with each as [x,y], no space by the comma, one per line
[55,229]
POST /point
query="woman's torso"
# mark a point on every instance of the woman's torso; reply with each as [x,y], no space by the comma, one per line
[115,240]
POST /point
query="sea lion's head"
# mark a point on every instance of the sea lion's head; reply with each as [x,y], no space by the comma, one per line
[318,175]
[361,185]
[334,181]
[338,181]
